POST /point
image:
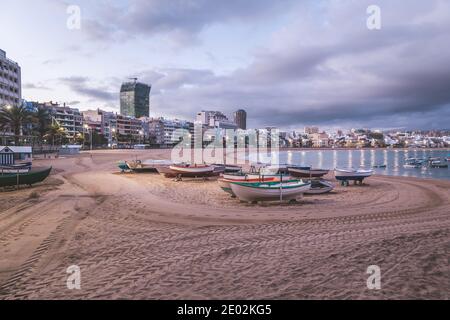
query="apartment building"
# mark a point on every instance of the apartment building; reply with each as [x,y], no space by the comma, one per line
[10,81]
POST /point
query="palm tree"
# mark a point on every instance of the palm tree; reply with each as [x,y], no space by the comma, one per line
[42,122]
[55,131]
[15,118]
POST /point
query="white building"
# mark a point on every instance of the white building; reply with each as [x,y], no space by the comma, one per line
[10,81]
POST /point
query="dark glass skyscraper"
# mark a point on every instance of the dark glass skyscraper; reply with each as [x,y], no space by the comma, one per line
[135,99]
[240,118]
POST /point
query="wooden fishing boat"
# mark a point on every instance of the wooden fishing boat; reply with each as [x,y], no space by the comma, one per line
[188,170]
[346,175]
[193,170]
[307,172]
[270,191]
[225,183]
[31,177]
[320,187]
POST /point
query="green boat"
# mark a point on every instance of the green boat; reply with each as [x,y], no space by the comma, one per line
[31,177]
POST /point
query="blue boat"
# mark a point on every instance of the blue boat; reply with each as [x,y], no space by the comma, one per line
[123,166]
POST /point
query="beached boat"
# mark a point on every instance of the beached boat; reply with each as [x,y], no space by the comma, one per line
[188,170]
[307,172]
[123,166]
[320,187]
[15,168]
[225,183]
[31,177]
[143,166]
[270,191]
[346,175]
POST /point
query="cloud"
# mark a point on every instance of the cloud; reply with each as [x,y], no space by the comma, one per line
[35,86]
[333,73]
[82,86]
[179,20]
[322,66]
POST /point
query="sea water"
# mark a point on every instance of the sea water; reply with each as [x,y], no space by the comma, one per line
[394,159]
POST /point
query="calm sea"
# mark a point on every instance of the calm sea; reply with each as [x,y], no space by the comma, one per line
[394,159]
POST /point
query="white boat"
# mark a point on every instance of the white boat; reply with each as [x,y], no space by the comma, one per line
[242,176]
[346,175]
[270,191]
[320,187]
[188,170]
[438,164]
[412,165]
[225,183]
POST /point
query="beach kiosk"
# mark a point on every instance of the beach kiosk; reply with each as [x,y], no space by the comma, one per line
[11,155]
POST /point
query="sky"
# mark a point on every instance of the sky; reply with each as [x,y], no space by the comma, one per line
[288,63]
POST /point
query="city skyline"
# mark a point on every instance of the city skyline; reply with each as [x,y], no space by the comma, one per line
[313,63]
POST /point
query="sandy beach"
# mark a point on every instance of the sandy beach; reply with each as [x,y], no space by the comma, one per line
[142,236]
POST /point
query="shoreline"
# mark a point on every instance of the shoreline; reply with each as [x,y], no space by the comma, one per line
[142,236]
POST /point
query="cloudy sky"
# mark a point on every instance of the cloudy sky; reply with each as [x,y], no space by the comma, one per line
[289,63]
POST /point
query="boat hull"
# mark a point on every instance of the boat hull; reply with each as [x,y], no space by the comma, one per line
[194,172]
[225,184]
[33,176]
[320,187]
[358,175]
[306,173]
[247,192]
[188,172]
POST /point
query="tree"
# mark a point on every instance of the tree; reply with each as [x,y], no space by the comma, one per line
[15,118]
[55,131]
[42,121]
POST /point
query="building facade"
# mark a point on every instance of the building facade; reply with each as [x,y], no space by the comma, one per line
[215,119]
[69,118]
[10,81]
[135,99]
[128,130]
[311,130]
[240,119]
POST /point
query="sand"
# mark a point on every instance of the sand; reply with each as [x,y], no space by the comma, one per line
[142,236]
